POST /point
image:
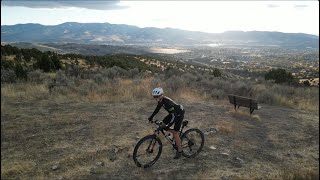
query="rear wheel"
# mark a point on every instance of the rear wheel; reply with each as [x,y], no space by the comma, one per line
[192,142]
[147,151]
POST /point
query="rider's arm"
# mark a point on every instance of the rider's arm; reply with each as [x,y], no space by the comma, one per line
[156,110]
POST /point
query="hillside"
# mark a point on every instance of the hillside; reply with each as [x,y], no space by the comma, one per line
[44,139]
[71,116]
[105,33]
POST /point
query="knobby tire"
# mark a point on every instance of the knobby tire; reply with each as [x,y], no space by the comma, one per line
[148,140]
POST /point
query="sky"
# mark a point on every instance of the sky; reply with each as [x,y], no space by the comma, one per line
[206,16]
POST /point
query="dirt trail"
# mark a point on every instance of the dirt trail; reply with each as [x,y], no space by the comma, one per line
[96,141]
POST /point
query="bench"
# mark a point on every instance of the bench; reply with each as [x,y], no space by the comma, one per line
[243,101]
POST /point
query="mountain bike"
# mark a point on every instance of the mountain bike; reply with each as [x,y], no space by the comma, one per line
[148,149]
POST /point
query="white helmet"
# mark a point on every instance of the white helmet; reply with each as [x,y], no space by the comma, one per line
[157,91]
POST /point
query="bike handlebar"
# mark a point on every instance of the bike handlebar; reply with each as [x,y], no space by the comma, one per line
[158,123]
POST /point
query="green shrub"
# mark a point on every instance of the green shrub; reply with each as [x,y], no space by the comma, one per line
[73,70]
[8,76]
[99,79]
[174,83]
[217,94]
[115,72]
[87,88]
[133,73]
[6,64]
[38,77]
[266,97]
[63,80]
[279,75]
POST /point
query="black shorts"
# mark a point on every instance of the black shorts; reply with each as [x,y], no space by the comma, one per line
[174,118]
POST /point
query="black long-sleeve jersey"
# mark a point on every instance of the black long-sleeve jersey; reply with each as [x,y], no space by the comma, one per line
[169,105]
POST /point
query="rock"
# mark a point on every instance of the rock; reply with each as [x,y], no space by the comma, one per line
[225,154]
[211,130]
[214,130]
[236,162]
[212,147]
[239,160]
[100,163]
[55,167]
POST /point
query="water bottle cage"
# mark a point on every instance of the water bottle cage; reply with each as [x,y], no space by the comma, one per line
[174,145]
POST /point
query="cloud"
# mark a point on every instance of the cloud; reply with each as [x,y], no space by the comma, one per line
[97,5]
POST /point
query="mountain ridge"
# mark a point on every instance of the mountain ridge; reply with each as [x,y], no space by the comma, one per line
[120,34]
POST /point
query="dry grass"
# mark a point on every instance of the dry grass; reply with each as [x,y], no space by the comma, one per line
[10,168]
[190,95]
[128,89]
[243,112]
[226,128]
[298,102]
[295,173]
[26,91]
[122,90]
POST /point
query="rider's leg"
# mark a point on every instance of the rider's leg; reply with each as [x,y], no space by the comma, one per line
[176,138]
[176,134]
[177,120]
[169,120]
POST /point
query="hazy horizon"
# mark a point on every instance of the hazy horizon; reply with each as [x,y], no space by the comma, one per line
[164,28]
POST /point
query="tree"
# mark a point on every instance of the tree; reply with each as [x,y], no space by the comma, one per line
[46,63]
[216,73]
[56,61]
[7,64]
[307,83]
[18,57]
[20,72]
[279,75]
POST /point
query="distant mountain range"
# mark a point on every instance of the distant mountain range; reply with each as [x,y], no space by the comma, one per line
[119,34]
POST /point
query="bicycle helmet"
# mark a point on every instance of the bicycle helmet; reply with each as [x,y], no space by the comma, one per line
[157,91]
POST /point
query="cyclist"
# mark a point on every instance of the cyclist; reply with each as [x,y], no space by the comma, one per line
[175,116]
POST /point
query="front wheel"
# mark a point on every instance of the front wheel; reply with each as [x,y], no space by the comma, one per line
[147,151]
[192,142]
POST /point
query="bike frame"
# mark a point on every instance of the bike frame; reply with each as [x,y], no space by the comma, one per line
[171,141]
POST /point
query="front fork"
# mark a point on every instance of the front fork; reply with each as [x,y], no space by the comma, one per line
[152,143]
